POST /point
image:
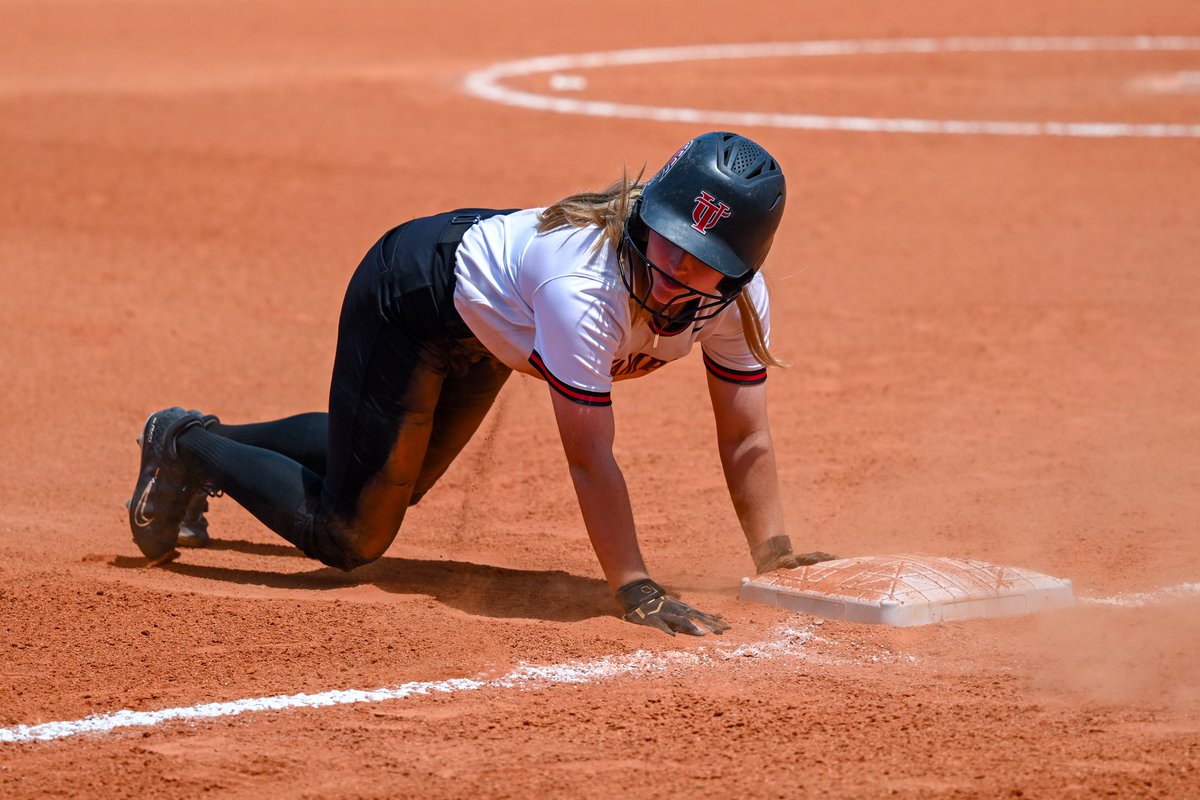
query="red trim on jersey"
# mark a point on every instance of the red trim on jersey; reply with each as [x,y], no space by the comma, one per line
[746,377]
[581,396]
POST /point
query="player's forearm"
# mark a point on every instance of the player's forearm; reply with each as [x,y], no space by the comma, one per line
[604,501]
[750,474]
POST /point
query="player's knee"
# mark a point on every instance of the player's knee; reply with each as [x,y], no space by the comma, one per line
[347,558]
[345,551]
[358,553]
[333,556]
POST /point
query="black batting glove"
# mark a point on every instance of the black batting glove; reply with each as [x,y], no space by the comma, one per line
[776,553]
[644,602]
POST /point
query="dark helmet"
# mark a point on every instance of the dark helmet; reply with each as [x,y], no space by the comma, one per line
[719,198]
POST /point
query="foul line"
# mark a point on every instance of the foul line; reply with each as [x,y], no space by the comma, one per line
[571,672]
[486,84]
[790,643]
[1182,591]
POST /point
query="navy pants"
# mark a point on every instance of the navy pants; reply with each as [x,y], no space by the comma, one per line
[410,386]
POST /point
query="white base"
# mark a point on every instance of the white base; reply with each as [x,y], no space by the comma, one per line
[905,590]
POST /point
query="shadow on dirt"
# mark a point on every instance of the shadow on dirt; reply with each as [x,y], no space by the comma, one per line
[478,589]
[254,548]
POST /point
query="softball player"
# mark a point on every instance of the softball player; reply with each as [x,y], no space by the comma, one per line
[595,288]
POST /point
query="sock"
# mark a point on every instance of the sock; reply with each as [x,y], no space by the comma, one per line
[303,437]
[277,490]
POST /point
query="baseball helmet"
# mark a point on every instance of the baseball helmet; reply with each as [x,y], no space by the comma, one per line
[719,198]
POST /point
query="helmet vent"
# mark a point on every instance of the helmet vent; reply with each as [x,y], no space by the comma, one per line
[765,167]
[742,156]
[745,159]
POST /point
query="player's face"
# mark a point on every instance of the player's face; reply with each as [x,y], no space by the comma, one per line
[681,271]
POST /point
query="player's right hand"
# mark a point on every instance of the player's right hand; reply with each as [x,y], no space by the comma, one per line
[646,603]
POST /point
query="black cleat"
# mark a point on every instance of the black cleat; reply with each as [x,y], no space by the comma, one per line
[162,490]
[193,530]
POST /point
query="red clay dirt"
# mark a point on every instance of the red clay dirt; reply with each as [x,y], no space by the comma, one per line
[994,357]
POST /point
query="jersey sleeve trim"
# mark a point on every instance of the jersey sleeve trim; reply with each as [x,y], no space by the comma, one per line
[581,396]
[745,377]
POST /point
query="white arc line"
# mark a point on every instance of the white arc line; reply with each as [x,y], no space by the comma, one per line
[486,84]
[572,672]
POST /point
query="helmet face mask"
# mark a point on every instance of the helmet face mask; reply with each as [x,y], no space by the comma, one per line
[691,305]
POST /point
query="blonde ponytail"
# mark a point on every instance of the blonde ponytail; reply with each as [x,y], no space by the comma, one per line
[752,332]
[607,210]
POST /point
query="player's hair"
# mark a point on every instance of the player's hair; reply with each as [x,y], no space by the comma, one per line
[608,210]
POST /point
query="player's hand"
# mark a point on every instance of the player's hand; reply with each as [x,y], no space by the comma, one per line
[644,602]
[776,553]
[793,560]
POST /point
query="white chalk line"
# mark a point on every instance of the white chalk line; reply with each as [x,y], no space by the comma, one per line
[486,84]
[1182,591]
[790,642]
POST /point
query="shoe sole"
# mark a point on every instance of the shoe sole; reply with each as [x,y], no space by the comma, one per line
[187,537]
[171,554]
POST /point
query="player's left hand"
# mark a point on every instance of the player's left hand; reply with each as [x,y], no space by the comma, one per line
[793,560]
[776,553]
[646,603]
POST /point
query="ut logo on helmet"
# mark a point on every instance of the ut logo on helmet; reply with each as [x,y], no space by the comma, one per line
[708,211]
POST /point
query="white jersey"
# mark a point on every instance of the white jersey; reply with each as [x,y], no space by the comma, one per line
[553,306]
